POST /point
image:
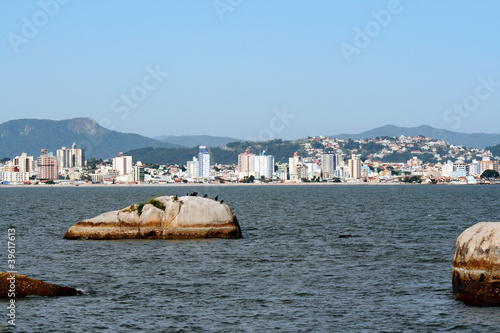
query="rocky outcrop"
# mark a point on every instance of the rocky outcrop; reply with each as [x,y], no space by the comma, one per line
[14,285]
[162,218]
[476,266]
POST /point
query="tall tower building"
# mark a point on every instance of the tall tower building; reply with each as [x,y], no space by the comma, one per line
[123,164]
[139,172]
[25,163]
[295,165]
[47,166]
[193,168]
[245,164]
[328,164]
[70,158]
[204,162]
[355,167]
[263,166]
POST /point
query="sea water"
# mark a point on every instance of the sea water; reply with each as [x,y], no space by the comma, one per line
[290,271]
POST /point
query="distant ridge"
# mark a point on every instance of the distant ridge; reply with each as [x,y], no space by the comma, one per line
[197,140]
[476,140]
[31,135]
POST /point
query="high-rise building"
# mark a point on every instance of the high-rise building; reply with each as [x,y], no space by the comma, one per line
[475,168]
[487,164]
[204,162]
[193,168]
[246,164]
[311,170]
[355,167]
[123,164]
[263,166]
[70,158]
[138,172]
[282,172]
[328,164]
[447,169]
[25,163]
[47,166]
[295,165]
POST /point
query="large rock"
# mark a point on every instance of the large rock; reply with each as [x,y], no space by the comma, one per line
[476,266]
[14,285]
[162,218]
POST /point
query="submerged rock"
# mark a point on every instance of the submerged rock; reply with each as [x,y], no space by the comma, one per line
[14,285]
[476,266]
[162,218]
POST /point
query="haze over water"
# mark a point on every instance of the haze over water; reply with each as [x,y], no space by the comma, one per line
[290,272]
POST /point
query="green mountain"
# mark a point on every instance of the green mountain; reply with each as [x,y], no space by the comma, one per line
[197,140]
[281,150]
[32,135]
[476,140]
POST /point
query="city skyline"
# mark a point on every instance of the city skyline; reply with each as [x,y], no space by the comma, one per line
[252,69]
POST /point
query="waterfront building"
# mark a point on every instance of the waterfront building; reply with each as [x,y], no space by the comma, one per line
[263,166]
[193,168]
[25,163]
[447,169]
[246,164]
[14,176]
[47,166]
[70,158]
[204,162]
[311,170]
[123,164]
[328,164]
[355,167]
[282,172]
[139,172]
[365,171]
[487,164]
[295,165]
[475,168]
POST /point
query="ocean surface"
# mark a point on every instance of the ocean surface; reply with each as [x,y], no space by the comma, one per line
[291,272]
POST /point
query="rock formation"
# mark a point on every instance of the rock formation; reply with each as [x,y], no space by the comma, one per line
[476,266]
[162,218]
[14,285]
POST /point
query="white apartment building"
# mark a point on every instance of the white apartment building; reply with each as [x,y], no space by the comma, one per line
[25,163]
[193,168]
[263,165]
[70,158]
[123,164]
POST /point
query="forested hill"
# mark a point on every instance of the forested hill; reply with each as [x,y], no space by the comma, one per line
[281,150]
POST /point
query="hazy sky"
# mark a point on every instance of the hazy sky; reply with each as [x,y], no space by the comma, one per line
[253,69]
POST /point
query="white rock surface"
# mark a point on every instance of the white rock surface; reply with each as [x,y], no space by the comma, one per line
[183,217]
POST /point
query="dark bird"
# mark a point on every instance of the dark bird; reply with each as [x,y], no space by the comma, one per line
[217,197]
[205,195]
[221,202]
[195,194]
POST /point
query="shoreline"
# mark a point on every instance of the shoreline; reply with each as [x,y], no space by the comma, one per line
[227,184]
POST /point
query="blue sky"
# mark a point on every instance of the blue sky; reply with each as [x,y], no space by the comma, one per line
[234,66]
